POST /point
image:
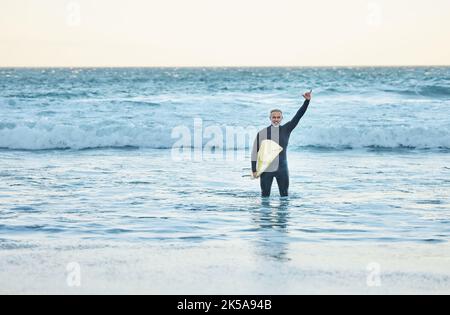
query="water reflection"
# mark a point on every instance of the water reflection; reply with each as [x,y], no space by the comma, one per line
[271,219]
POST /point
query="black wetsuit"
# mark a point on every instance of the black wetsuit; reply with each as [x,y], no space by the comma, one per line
[279,168]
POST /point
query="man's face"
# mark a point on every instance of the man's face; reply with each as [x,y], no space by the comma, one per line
[276,118]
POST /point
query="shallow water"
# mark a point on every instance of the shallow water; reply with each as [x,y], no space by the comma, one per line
[143,196]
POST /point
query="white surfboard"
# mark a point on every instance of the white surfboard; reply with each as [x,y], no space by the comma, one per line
[268,152]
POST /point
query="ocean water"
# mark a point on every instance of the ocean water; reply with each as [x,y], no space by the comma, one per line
[89,173]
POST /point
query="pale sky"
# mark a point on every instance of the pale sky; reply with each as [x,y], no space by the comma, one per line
[77,33]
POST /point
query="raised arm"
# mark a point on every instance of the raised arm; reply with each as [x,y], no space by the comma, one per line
[294,122]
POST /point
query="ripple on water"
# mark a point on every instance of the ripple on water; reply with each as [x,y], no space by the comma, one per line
[6,244]
[429,202]
[24,209]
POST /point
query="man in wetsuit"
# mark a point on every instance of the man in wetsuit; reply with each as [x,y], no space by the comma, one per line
[280,134]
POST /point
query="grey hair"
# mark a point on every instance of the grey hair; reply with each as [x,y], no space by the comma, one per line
[276,111]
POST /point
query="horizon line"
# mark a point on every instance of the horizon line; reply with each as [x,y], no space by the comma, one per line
[231,67]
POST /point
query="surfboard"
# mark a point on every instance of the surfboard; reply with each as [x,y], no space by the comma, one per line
[268,152]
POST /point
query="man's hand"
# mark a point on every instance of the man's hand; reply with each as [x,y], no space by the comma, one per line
[308,96]
[254,174]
